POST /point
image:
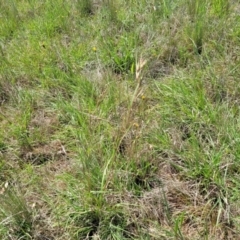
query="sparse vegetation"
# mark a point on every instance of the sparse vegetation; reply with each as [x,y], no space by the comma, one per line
[119,119]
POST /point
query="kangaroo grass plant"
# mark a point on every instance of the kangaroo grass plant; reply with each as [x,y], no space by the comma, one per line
[119,119]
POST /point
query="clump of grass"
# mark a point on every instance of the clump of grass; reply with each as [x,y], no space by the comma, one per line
[111,11]
[119,119]
[119,53]
[15,215]
[85,7]
[220,7]
[11,18]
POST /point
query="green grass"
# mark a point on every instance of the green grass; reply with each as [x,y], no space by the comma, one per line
[119,119]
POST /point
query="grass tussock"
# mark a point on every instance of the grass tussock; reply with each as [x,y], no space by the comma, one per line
[119,120]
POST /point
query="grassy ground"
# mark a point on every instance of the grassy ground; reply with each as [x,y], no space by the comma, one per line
[119,119]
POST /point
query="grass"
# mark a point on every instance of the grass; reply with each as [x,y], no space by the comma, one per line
[119,120]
